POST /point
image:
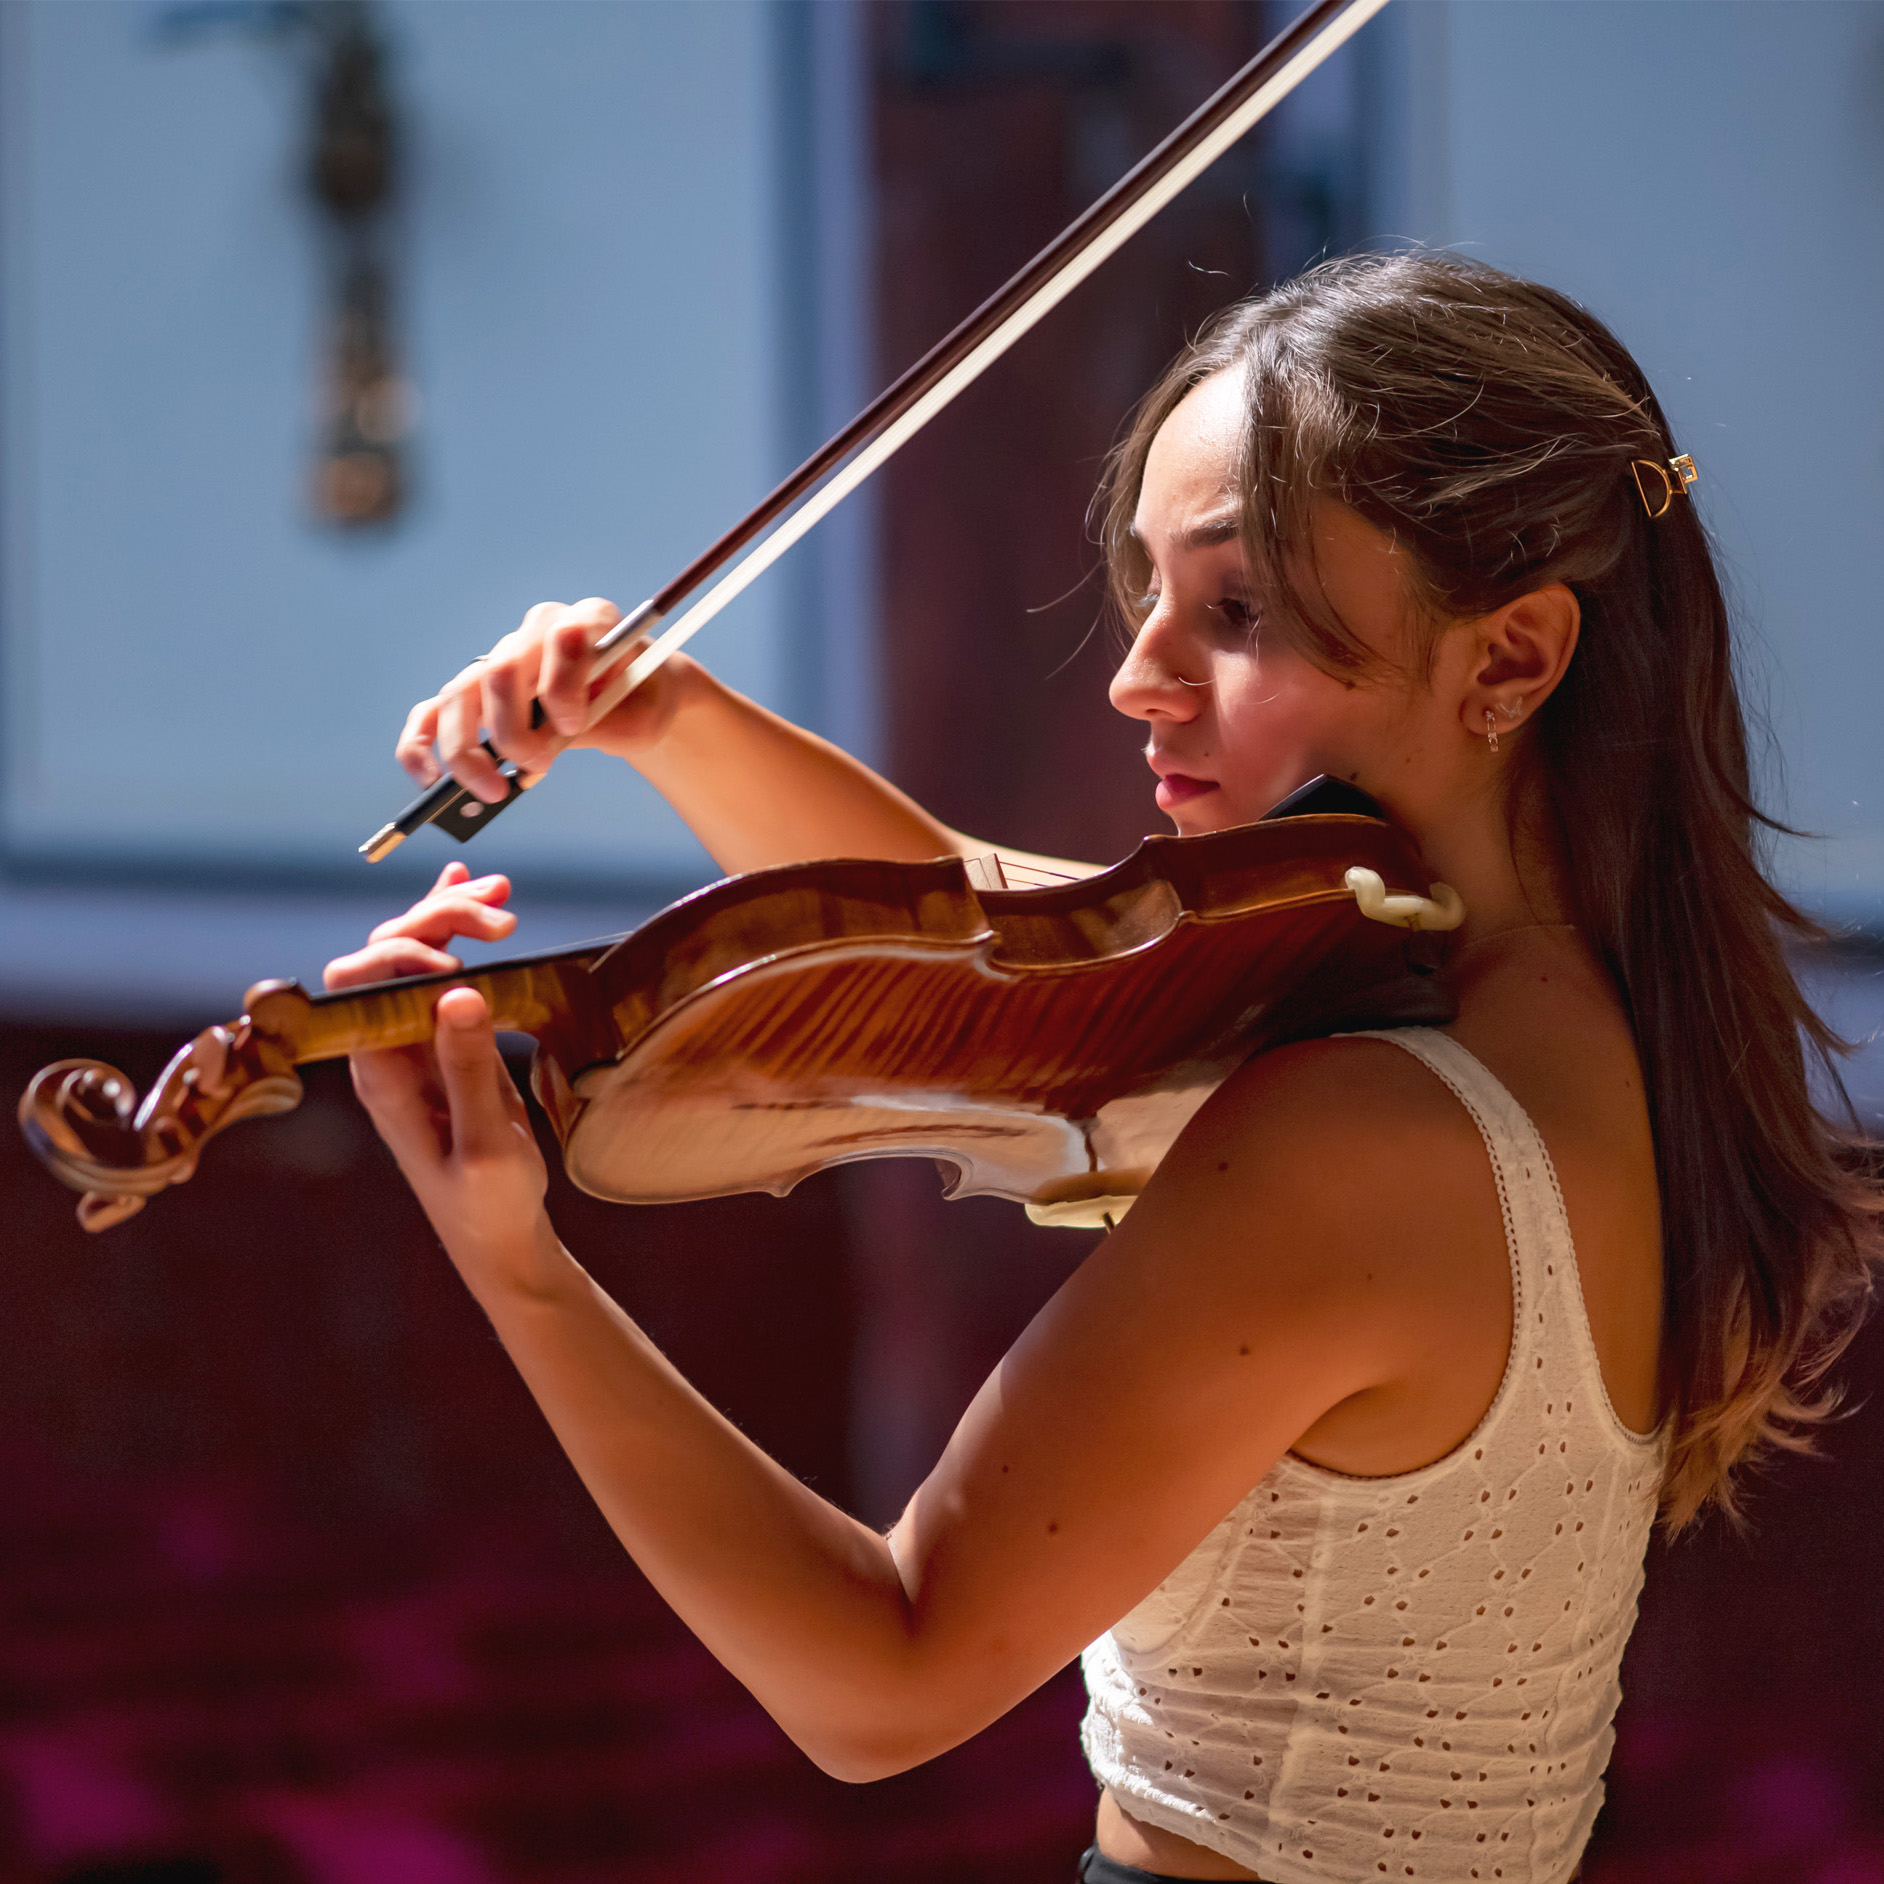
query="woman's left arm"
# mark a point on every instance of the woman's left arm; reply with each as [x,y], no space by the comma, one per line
[1242,1299]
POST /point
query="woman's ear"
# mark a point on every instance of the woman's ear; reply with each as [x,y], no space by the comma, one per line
[1522,652]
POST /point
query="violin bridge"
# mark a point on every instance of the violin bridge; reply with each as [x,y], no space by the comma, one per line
[985,872]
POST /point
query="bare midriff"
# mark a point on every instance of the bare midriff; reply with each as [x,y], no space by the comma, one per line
[1126,1840]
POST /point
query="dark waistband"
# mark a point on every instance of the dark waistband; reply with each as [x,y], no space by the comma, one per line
[1096,1868]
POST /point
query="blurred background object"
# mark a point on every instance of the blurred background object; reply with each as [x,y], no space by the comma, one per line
[297,1589]
[351,171]
[353,176]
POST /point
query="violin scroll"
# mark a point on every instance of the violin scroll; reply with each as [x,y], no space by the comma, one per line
[87,1125]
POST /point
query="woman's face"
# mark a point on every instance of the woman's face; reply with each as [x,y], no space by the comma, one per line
[1236,719]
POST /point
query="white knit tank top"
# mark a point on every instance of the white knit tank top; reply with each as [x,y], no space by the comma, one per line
[1408,1677]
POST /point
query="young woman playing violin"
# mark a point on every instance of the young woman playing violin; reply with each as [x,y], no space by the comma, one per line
[1440,1318]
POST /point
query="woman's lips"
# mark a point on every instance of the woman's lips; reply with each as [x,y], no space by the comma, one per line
[1177,788]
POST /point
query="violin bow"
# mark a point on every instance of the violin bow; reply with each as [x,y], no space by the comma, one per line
[830,474]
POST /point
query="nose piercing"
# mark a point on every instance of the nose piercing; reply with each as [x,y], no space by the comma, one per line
[1182,682]
[1491,730]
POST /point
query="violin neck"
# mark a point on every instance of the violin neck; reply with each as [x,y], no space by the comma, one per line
[524,998]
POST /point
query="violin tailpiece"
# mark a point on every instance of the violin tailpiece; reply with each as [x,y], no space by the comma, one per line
[1443,909]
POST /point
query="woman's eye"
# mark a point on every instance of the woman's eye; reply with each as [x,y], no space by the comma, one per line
[1236,611]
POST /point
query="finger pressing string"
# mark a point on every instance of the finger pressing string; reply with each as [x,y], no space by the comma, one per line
[470,909]
[390,960]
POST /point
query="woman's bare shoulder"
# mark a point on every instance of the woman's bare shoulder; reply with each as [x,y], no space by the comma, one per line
[1355,1096]
[1354,1194]
[1346,1156]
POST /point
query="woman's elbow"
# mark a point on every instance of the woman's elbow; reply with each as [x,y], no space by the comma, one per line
[858,1755]
[882,1720]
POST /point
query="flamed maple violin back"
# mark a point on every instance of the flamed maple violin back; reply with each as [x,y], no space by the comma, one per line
[1042,1043]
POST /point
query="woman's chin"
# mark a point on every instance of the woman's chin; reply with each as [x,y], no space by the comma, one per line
[1199,816]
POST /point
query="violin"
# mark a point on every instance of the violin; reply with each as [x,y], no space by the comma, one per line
[1045,1045]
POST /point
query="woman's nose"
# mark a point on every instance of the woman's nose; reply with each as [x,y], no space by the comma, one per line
[1153,681]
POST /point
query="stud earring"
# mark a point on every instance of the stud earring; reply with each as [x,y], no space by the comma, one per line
[1513,709]
[1491,730]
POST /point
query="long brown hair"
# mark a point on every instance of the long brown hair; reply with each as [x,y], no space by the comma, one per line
[1488,425]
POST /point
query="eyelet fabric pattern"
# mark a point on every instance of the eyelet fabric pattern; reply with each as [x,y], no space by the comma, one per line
[1407,1677]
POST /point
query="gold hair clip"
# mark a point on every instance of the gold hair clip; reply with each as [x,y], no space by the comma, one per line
[1675,476]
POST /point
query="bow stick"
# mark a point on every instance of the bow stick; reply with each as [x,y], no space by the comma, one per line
[954,363]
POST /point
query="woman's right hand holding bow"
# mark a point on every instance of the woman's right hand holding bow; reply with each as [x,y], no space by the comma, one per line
[755,789]
[550,658]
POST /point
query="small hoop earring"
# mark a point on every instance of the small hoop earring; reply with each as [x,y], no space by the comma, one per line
[1491,730]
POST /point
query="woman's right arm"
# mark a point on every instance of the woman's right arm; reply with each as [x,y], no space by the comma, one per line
[755,789]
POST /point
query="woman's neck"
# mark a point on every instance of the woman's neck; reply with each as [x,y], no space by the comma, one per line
[1506,860]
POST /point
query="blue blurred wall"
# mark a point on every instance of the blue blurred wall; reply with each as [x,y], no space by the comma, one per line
[630,297]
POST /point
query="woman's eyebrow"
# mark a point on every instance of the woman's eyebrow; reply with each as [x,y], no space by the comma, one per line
[1206,535]
[1223,528]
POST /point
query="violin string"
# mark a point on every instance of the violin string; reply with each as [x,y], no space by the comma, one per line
[1011,868]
